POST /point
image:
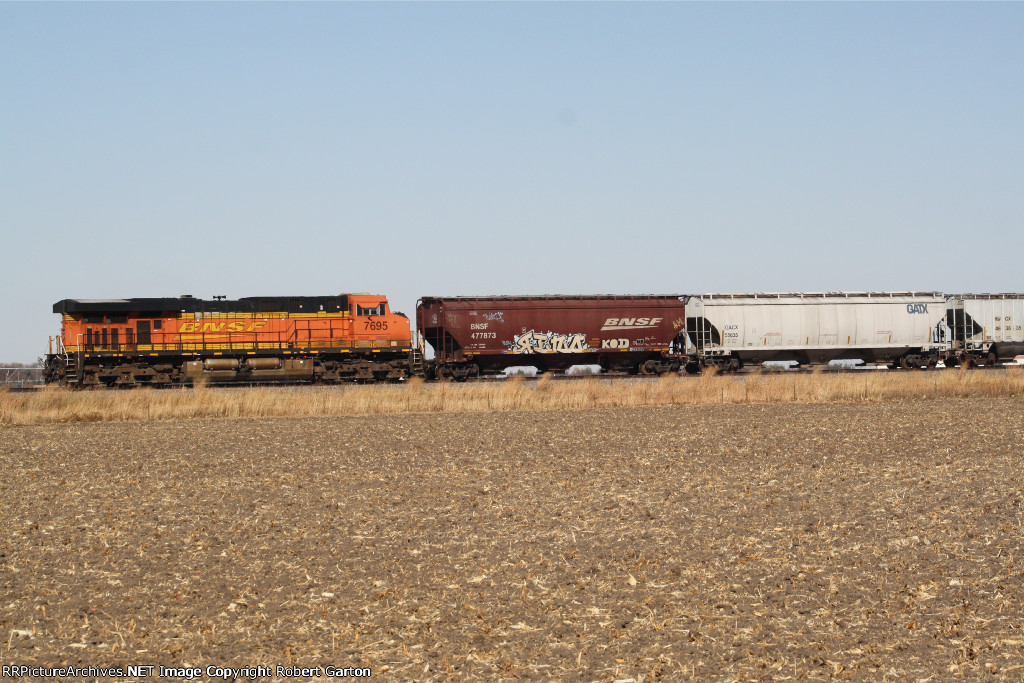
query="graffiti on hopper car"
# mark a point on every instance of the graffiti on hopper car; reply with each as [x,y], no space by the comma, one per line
[548,342]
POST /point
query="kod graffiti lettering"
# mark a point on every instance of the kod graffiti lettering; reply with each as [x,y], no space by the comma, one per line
[548,342]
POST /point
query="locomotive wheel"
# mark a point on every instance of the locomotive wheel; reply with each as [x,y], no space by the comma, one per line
[967,363]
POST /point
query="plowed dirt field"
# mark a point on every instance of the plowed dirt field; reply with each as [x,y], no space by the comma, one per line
[861,541]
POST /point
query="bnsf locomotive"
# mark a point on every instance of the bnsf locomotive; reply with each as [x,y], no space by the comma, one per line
[127,342]
[356,337]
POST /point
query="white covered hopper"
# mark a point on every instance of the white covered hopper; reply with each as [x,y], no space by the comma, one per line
[876,327]
[985,324]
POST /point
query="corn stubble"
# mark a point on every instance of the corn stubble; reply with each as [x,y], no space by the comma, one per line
[855,540]
[55,405]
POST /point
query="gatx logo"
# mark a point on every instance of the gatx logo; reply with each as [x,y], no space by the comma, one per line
[629,323]
[236,326]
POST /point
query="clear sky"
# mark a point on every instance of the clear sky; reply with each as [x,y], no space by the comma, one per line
[504,148]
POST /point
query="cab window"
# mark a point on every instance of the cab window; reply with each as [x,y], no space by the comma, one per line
[373,310]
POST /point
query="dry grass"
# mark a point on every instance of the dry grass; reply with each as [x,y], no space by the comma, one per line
[55,405]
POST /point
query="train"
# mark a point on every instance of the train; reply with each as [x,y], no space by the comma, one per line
[358,338]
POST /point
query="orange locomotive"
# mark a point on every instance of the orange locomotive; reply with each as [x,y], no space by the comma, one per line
[165,341]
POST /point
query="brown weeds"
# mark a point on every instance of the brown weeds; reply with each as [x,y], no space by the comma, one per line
[56,405]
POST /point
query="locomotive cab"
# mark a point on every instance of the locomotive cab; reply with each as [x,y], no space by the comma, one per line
[372,319]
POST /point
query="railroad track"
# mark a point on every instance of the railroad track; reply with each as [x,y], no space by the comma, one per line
[743,372]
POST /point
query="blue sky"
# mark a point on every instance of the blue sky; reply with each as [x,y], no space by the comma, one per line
[158,149]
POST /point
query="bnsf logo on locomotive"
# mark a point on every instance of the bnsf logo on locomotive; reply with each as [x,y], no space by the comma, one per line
[630,323]
[236,326]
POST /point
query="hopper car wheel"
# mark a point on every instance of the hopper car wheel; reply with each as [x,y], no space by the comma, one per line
[905,363]
[441,374]
[967,363]
[645,369]
[993,359]
[932,362]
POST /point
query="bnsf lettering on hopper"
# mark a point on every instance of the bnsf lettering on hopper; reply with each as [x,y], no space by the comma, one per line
[630,323]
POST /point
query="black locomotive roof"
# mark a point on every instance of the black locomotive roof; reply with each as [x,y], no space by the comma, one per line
[187,304]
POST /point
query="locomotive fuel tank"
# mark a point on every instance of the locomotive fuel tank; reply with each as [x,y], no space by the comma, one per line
[250,370]
[895,328]
[485,335]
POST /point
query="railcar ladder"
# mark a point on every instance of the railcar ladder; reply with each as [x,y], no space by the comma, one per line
[416,363]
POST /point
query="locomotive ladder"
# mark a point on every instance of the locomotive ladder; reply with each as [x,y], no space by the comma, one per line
[71,363]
